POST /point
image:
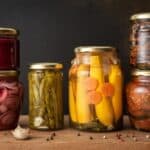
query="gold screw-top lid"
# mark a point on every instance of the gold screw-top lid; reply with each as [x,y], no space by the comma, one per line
[46,65]
[93,49]
[137,72]
[140,16]
[5,73]
[8,32]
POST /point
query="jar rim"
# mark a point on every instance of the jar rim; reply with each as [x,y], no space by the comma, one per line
[93,49]
[140,16]
[8,73]
[137,72]
[45,65]
[9,31]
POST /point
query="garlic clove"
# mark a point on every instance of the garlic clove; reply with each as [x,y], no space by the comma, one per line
[21,133]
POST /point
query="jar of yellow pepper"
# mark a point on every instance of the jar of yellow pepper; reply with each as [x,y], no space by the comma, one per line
[95,89]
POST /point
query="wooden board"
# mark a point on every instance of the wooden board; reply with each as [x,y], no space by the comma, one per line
[68,139]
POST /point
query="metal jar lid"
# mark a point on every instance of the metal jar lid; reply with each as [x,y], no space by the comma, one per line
[140,16]
[46,65]
[83,49]
[8,73]
[8,32]
[137,72]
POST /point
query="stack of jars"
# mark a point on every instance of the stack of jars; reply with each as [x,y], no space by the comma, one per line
[138,90]
[11,90]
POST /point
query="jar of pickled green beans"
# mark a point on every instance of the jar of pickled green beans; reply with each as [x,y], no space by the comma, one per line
[45,96]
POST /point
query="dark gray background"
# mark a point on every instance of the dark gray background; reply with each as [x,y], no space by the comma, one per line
[51,29]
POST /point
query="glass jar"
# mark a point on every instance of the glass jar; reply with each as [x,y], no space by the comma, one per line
[138,99]
[45,96]
[9,49]
[11,97]
[140,41]
[95,89]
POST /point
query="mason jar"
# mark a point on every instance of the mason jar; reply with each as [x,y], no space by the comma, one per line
[45,96]
[11,97]
[138,99]
[140,41]
[95,89]
[9,49]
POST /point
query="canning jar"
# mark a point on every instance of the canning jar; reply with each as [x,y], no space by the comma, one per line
[95,89]
[11,97]
[9,49]
[138,99]
[140,41]
[45,96]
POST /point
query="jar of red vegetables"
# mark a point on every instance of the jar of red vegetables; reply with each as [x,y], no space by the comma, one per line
[11,96]
[138,99]
[9,49]
[140,41]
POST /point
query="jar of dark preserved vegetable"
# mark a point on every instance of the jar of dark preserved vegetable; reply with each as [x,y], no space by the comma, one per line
[138,99]
[9,49]
[140,41]
[11,97]
[95,89]
[45,96]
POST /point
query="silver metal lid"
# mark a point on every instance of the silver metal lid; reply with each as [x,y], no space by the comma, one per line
[93,49]
[140,16]
[46,65]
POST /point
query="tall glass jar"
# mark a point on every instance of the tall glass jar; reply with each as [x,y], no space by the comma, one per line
[95,89]
[138,99]
[9,49]
[11,97]
[140,41]
[45,96]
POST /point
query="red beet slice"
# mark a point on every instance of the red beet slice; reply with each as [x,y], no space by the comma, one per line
[3,108]
[9,119]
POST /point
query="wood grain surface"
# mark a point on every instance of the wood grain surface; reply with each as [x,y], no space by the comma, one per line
[69,139]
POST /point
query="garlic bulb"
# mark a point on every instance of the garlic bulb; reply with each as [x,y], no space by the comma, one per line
[21,133]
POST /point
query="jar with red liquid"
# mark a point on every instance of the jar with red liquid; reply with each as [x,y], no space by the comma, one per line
[138,99]
[9,49]
[11,96]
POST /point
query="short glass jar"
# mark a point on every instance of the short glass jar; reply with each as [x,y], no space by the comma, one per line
[45,96]
[138,99]
[11,97]
[9,49]
[95,89]
[140,39]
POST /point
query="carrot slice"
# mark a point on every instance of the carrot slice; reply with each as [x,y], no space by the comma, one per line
[91,83]
[94,97]
[107,89]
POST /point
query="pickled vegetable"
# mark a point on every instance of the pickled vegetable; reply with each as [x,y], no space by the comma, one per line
[115,78]
[104,110]
[72,93]
[45,94]
[83,113]
[11,96]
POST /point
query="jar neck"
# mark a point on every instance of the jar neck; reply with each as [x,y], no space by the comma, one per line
[84,58]
[145,79]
